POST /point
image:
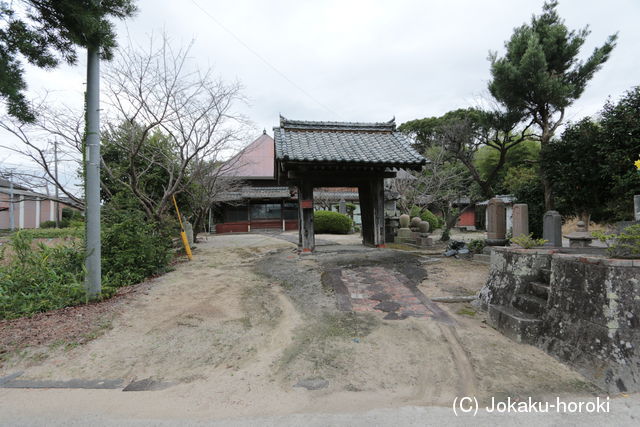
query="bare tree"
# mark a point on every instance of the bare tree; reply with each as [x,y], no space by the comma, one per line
[61,126]
[209,184]
[444,182]
[405,185]
[323,199]
[155,90]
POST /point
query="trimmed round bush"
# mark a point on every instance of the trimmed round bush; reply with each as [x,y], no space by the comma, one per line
[331,222]
[433,220]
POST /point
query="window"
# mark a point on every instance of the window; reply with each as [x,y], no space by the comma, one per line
[266,211]
[290,211]
[235,214]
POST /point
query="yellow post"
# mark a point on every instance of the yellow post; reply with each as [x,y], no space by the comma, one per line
[185,242]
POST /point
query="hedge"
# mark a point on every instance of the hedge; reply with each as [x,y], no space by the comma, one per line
[331,222]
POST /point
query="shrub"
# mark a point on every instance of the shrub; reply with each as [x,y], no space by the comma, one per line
[624,245]
[426,215]
[433,220]
[477,245]
[331,222]
[351,208]
[48,224]
[41,278]
[38,278]
[53,233]
[527,241]
[132,248]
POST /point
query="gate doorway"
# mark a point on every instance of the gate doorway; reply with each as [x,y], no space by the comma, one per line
[341,154]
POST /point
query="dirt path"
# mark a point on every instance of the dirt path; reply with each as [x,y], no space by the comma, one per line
[249,329]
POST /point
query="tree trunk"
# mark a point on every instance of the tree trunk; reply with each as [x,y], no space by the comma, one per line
[451,217]
[549,201]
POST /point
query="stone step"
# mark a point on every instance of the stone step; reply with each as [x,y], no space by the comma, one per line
[545,275]
[530,304]
[515,324]
[539,289]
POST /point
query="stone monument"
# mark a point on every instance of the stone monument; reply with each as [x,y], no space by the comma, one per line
[342,207]
[404,232]
[188,230]
[415,223]
[520,219]
[552,229]
[423,240]
[391,224]
[580,238]
[496,223]
[404,221]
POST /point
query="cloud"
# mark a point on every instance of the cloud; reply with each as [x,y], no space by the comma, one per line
[363,60]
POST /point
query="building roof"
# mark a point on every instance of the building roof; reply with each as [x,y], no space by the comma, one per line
[328,194]
[507,199]
[5,183]
[256,193]
[256,161]
[402,174]
[344,142]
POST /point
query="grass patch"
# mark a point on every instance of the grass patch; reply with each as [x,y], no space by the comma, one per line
[260,305]
[317,344]
[466,311]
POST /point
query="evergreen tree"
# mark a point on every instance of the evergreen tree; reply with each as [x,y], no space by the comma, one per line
[48,32]
[540,74]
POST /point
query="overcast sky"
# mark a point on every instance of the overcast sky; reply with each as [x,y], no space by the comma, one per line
[362,60]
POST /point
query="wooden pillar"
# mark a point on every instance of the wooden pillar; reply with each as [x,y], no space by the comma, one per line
[377,204]
[306,236]
[371,196]
[364,195]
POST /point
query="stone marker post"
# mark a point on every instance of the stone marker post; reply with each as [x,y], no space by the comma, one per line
[636,206]
[342,207]
[552,229]
[497,222]
[520,219]
[188,229]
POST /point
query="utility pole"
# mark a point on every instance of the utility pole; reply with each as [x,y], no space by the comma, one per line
[55,165]
[93,265]
[12,222]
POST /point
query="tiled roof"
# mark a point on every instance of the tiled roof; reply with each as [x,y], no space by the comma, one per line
[372,143]
[389,126]
[256,193]
[507,199]
[335,195]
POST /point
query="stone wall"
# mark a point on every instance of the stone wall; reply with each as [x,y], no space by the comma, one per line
[511,271]
[591,311]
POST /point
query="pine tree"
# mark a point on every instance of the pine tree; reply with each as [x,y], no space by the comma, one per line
[540,74]
[45,33]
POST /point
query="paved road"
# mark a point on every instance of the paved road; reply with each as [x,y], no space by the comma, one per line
[624,411]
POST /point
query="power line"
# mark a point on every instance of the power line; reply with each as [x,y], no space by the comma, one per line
[264,60]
